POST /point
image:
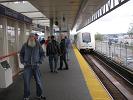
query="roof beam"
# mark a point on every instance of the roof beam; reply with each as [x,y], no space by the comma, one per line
[39,18]
[83,2]
[30,12]
[103,11]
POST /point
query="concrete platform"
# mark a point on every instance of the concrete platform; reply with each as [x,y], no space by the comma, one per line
[64,85]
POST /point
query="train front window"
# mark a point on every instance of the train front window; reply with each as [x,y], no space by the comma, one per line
[86,37]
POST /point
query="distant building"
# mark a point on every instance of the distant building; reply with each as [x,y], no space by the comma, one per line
[119,38]
[113,38]
[128,39]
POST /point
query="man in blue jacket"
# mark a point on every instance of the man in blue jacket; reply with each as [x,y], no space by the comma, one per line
[31,56]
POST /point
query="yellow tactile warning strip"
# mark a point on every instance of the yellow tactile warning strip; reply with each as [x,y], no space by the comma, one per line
[96,89]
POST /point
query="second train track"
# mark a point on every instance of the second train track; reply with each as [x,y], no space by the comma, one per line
[118,86]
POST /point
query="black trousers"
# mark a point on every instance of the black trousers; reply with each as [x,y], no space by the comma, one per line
[63,59]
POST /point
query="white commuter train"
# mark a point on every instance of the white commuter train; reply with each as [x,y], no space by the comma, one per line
[85,41]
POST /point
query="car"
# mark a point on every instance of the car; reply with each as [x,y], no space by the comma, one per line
[129,60]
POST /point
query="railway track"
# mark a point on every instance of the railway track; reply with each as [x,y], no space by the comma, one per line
[118,86]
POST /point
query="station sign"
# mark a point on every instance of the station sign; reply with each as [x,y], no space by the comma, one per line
[11,13]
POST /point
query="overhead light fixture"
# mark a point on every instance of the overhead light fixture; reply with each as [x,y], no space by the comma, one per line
[20,1]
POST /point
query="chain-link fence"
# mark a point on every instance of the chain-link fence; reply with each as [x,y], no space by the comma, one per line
[121,53]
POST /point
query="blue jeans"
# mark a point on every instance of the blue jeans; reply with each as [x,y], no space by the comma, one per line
[30,71]
[53,58]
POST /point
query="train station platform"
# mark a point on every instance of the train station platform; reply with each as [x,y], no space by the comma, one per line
[77,83]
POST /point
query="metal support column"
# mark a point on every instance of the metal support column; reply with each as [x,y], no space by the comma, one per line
[30,28]
[16,36]
[126,54]
[5,36]
[51,26]
[22,34]
[45,32]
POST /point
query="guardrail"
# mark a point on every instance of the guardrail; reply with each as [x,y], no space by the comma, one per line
[8,55]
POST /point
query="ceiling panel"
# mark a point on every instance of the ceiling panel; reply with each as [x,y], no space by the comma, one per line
[29,10]
[57,9]
[69,9]
[20,7]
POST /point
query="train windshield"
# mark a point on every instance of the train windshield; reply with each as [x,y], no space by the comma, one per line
[86,37]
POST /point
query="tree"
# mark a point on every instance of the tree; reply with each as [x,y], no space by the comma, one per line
[98,36]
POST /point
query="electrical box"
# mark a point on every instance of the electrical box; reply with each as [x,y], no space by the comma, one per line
[5,74]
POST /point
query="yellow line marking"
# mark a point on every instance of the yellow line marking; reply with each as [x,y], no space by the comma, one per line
[96,89]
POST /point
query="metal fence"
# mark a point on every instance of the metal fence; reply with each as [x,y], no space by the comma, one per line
[121,53]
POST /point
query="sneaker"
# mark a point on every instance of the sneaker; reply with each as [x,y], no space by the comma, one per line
[26,99]
[41,98]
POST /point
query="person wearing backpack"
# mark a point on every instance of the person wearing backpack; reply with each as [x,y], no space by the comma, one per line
[53,51]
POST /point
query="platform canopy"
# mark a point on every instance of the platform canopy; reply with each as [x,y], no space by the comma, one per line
[66,14]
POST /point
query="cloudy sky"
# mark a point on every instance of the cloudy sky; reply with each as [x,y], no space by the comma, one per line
[117,21]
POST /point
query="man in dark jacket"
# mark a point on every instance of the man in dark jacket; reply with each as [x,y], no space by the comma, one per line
[53,51]
[63,54]
[31,56]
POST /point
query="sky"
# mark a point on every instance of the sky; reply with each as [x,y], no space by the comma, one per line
[117,21]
